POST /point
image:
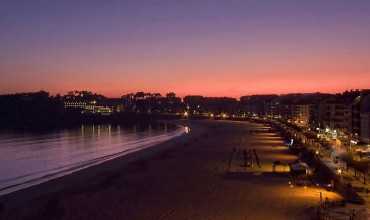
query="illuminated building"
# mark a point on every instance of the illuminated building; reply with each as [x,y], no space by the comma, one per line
[78,105]
[336,113]
[365,120]
[301,114]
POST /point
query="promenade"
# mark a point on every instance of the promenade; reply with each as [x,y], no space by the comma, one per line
[344,175]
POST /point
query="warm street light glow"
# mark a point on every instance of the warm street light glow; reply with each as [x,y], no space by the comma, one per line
[187,130]
[339,171]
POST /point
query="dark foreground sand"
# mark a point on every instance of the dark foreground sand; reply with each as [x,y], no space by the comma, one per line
[184,178]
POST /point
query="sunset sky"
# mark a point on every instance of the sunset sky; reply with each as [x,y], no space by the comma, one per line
[207,47]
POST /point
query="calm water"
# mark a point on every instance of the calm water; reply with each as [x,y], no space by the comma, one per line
[27,159]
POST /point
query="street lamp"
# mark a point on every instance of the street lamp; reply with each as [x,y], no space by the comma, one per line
[339,171]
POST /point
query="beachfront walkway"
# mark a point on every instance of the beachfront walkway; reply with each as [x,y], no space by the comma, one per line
[347,177]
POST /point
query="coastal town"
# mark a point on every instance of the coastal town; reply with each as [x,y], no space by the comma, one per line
[344,116]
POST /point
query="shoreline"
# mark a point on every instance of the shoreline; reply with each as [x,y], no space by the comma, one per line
[84,164]
[38,189]
[183,178]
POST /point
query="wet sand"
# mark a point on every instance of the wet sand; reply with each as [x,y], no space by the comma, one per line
[185,178]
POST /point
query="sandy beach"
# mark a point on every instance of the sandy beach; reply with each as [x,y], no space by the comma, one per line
[190,177]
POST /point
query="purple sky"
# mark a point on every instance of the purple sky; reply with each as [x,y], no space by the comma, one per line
[227,47]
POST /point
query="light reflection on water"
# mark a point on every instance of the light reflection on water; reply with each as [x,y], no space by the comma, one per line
[27,158]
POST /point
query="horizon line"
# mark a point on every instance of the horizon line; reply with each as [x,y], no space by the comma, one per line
[163,94]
